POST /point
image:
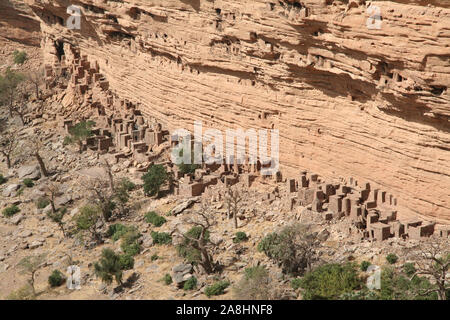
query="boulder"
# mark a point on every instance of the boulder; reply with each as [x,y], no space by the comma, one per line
[16,219]
[181,273]
[182,206]
[29,172]
[323,235]
[10,191]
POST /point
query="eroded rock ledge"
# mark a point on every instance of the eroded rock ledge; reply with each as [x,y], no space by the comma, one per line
[348,100]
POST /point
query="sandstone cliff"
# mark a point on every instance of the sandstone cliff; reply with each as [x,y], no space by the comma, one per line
[348,100]
[18,24]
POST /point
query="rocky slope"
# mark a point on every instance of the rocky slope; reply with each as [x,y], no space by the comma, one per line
[348,100]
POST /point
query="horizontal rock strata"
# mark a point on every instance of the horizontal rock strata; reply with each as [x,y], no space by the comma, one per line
[349,100]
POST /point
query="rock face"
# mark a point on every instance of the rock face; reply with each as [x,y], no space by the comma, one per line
[18,23]
[349,100]
[29,172]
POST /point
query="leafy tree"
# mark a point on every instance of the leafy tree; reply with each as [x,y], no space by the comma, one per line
[294,248]
[30,266]
[57,217]
[87,220]
[109,267]
[121,192]
[2,179]
[187,249]
[19,56]
[35,148]
[433,260]
[233,199]
[330,281]
[9,83]
[80,132]
[103,196]
[196,247]
[37,79]
[9,144]
[56,278]
[397,286]
[409,269]
[154,179]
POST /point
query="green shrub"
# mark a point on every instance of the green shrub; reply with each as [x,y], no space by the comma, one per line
[191,284]
[154,179]
[185,249]
[42,202]
[126,262]
[187,168]
[154,257]
[409,269]
[56,278]
[217,288]
[364,265]
[19,57]
[195,233]
[330,281]
[255,284]
[240,237]
[161,237]
[396,286]
[130,242]
[28,183]
[391,258]
[109,267]
[155,219]
[87,219]
[126,184]
[2,179]
[296,283]
[78,133]
[167,279]
[254,272]
[24,293]
[292,248]
[116,231]
[10,211]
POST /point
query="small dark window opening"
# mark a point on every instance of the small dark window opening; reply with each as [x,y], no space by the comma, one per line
[436,90]
[59,46]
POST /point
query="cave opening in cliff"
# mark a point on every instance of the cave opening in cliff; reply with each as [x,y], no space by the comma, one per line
[437,90]
[59,46]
